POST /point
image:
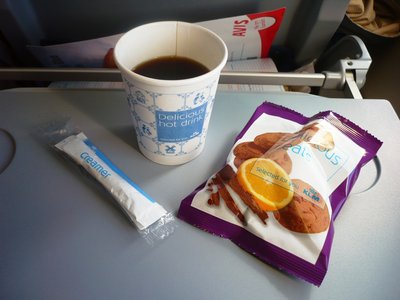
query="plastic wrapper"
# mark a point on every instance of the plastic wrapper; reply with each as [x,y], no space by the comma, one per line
[284,182]
[151,219]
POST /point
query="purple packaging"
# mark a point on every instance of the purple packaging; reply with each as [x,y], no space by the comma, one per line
[283,184]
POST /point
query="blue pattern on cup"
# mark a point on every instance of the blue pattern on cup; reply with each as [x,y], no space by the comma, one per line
[192,103]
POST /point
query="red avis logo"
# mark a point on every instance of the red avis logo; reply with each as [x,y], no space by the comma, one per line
[240,26]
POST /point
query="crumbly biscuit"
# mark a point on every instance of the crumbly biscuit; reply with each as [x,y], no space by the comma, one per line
[267,140]
[238,161]
[306,213]
[282,158]
[248,150]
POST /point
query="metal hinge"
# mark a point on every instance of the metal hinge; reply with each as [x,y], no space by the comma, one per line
[350,57]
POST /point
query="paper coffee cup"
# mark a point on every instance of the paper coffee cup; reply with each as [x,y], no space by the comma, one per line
[170,117]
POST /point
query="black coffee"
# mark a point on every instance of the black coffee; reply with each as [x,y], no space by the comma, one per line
[171,68]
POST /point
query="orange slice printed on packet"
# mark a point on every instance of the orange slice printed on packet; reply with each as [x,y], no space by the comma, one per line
[267,182]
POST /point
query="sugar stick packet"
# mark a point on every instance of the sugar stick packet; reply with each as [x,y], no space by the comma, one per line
[150,218]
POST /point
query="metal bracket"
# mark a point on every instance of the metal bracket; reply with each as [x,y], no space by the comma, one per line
[351,59]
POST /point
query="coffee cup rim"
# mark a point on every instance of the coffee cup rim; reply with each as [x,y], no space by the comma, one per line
[164,82]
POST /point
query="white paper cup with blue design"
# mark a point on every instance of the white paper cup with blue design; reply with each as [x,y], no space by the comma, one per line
[170,117]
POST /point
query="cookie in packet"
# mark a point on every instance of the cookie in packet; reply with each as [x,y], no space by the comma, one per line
[283,184]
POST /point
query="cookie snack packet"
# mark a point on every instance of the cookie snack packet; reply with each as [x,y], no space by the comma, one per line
[283,184]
